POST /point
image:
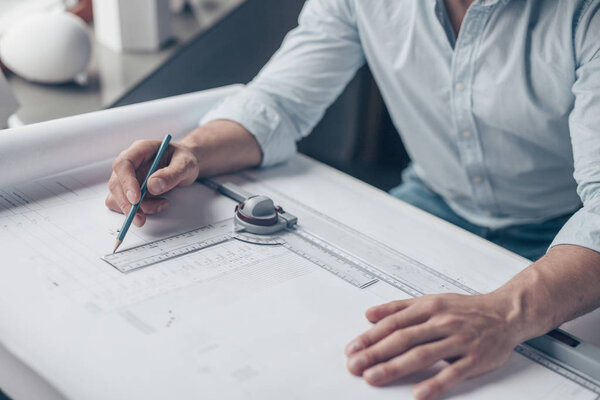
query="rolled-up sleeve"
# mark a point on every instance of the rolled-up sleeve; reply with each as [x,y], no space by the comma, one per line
[583,228]
[291,93]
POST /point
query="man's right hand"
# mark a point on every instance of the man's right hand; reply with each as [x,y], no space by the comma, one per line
[179,167]
[217,147]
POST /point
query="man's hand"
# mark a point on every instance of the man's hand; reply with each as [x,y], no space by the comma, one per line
[217,147]
[471,334]
[475,334]
[179,167]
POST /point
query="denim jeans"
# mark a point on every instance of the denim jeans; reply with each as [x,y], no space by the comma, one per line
[529,240]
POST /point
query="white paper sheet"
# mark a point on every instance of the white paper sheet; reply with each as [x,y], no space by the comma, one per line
[43,149]
[236,321]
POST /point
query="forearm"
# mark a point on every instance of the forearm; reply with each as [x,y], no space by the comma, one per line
[223,146]
[562,285]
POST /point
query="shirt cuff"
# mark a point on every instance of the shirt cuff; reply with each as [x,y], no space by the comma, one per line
[260,115]
[582,229]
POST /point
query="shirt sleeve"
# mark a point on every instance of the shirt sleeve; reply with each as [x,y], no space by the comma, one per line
[290,94]
[583,228]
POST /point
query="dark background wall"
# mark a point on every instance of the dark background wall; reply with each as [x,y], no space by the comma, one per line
[356,134]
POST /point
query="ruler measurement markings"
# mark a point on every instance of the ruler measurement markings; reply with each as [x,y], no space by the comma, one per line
[558,367]
[355,233]
[361,264]
[129,263]
[346,277]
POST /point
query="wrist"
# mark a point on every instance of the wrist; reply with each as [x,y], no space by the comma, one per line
[222,146]
[193,143]
[525,307]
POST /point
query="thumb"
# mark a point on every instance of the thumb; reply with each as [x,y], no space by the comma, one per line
[179,170]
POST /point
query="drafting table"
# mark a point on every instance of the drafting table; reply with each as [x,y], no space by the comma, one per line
[316,192]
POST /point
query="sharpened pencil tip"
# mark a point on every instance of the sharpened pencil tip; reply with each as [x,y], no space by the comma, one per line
[117,244]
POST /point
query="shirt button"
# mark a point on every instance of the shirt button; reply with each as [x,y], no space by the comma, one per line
[477,179]
[460,86]
[466,134]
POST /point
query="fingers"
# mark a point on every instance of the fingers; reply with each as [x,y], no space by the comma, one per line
[374,314]
[392,345]
[154,205]
[183,169]
[126,164]
[138,220]
[399,320]
[111,202]
[411,335]
[446,379]
[117,201]
[124,185]
[125,172]
[417,359]
[148,206]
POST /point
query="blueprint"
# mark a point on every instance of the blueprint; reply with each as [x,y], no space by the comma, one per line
[233,321]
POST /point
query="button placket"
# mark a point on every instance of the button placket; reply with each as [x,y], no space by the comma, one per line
[468,141]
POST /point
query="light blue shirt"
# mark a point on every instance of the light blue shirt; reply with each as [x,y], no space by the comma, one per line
[503,121]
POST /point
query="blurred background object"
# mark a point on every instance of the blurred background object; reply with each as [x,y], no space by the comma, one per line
[8,102]
[13,10]
[204,8]
[81,8]
[178,6]
[132,25]
[110,74]
[47,47]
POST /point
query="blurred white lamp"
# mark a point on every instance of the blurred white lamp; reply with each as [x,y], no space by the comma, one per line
[47,48]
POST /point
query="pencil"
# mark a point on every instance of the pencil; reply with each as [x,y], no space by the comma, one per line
[144,189]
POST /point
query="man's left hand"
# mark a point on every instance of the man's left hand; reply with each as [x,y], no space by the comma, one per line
[471,334]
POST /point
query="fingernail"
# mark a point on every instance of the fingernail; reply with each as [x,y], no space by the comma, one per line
[131,197]
[373,375]
[372,309]
[157,185]
[421,392]
[353,347]
[358,362]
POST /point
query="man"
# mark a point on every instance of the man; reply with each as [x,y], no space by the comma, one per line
[497,101]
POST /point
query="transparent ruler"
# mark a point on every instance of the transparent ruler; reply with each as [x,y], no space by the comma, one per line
[392,267]
[145,255]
